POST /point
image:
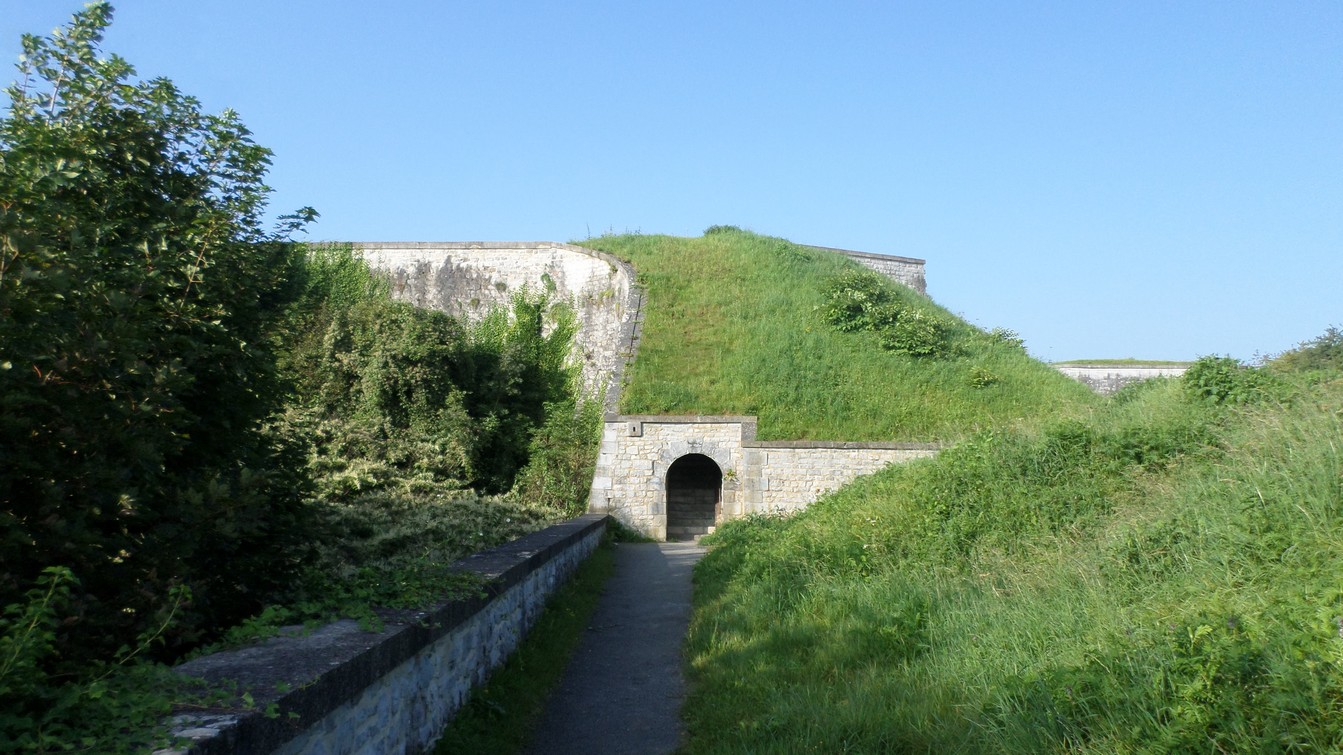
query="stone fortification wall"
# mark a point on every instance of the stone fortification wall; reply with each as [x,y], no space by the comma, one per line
[467,279]
[341,690]
[907,271]
[1108,379]
[758,476]
[791,474]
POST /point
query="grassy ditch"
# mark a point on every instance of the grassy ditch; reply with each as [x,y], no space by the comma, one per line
[502,715]
[1158,575]
[739,323]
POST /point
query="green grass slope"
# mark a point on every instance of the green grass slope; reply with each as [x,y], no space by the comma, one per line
[1159,575]
[734,325]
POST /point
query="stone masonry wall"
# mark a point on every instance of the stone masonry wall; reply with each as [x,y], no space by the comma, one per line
[342,690]
[907,271]
[1108,379]
[758,477]
[467,279]
[790,476]
[637,451]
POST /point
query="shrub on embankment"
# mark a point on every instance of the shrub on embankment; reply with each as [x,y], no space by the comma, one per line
[817,347]
[1158,575]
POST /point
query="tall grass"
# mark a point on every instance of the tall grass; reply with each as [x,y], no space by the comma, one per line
[733,326]
[1160,575]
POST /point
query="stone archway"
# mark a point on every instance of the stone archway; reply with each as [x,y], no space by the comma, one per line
[694,496]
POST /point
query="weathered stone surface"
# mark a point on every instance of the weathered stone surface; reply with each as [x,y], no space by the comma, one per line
[344,690]
[468,279]
[1108,379]
[906,271]
[758,476]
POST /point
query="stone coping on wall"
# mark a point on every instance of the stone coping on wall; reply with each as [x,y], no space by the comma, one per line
[868,255]
[749,426]
[435,245]
[305,676]
[1174,366]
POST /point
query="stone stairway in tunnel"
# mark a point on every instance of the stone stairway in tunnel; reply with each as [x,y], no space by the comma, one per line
[691,513]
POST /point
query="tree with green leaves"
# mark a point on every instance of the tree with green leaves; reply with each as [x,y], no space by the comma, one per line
[137,286]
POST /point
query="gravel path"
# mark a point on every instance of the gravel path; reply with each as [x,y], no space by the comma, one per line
[622,691]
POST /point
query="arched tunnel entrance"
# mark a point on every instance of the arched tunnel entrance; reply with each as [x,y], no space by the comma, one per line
[694,493]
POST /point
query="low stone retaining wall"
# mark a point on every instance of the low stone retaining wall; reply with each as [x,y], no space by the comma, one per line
[1108,379]
[344,690]
[907,271]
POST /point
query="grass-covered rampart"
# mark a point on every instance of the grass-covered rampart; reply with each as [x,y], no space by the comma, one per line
[739,323]
[1158,575]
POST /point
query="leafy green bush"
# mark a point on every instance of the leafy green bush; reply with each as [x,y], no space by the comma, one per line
[157,459]
[409,416]
[562,458]
[136,290]
[116,706]
[1323,353]
[982,378]
[863,300]
[1007,336]
[917,334]
[1223,380]
[859,300]
[396,397]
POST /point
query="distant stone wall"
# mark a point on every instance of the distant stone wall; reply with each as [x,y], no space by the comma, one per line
[907,271]
[467,279]
[1108,379]
[341,690]
[758,476]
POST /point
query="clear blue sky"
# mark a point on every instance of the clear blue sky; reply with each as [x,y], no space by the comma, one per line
[1150,179]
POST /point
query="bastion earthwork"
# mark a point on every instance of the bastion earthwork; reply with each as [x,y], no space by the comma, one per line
[667,476]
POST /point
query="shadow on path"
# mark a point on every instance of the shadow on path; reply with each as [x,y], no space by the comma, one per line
[622,691]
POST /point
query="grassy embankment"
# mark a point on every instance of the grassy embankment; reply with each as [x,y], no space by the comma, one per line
[1158,575]
[1153,572]
[734,324]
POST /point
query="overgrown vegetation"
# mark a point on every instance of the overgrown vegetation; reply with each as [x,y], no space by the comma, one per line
[427,439]
[204,422]
[136,289]
[1323,354]
[503,713]
[739,323]
[1156,575]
